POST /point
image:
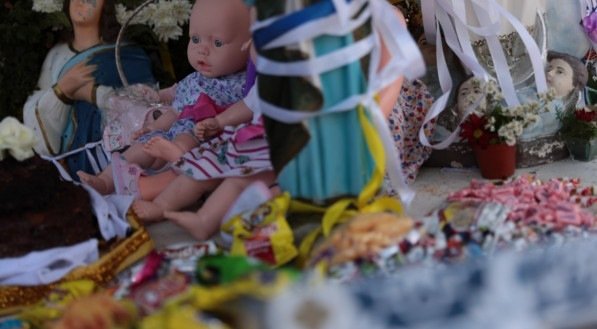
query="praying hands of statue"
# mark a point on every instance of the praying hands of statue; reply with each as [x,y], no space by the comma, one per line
[207,128]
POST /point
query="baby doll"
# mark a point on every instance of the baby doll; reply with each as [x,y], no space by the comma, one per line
[216,52]
[238,157]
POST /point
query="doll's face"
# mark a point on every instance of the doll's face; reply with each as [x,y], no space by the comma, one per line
[217,31]
[86,12]
[468,94]
[560,77]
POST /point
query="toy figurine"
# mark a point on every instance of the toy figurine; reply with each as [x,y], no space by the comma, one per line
[219,81]
[566,76]
[75,74]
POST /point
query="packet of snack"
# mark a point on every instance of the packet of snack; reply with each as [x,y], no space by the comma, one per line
[54,304]
[263,233]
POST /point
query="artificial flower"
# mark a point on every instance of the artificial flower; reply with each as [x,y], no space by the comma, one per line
[165,18]
[47,6]
[580,123]
[16,138]
[494,123]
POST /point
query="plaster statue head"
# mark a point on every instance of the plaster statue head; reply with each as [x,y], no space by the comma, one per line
[471,91]
[565,74]
[100,13]
[218,29]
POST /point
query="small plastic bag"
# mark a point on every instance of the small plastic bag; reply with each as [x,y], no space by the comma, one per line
[128,110]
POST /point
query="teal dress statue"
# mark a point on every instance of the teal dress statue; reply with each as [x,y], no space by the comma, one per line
[326,156]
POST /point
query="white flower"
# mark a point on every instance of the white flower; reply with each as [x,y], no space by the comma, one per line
[145,15]
[510,131]
[122,15]
[16,138]
[166,18]
[47,6]
[181,11]
[167,29]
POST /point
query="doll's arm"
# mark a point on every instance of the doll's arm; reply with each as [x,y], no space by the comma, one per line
[236,114]
[167,94]
[389,95]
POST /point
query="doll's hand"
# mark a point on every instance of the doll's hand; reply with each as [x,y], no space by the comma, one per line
[140,132]
[145,92]
[207,128]
[75,78]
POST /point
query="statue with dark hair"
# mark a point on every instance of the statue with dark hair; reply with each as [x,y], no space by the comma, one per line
[75,77]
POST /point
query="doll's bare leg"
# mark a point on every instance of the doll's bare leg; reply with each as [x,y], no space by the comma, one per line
[206,221]
[161,148]
[151,186]
[180,193]
[104,181]
[169,151]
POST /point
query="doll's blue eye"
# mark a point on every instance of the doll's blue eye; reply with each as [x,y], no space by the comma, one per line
[195,39]
[218,43]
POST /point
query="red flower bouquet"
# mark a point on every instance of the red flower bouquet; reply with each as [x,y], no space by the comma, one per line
[580,123]
[579,129]
[492,130]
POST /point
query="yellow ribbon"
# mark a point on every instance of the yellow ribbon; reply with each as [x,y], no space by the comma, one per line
[344,209]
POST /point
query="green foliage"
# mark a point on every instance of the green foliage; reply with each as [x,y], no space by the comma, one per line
[573,127]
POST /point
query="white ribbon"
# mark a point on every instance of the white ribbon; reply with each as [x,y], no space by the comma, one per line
[428,13]
[449,16]
[330,25]
[111,210]
[317,65]
[94,150]
[587,7]
[406,60]
[47,266]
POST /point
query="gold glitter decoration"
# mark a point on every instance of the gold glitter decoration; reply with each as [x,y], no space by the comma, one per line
[120,256]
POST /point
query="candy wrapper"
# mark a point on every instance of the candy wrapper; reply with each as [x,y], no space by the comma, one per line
[181,258]
[534,212]
[263,233]
[224,269]
[150,296]
[237,299]
[56,301]
[129,110]
[99,311]
[182,316]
